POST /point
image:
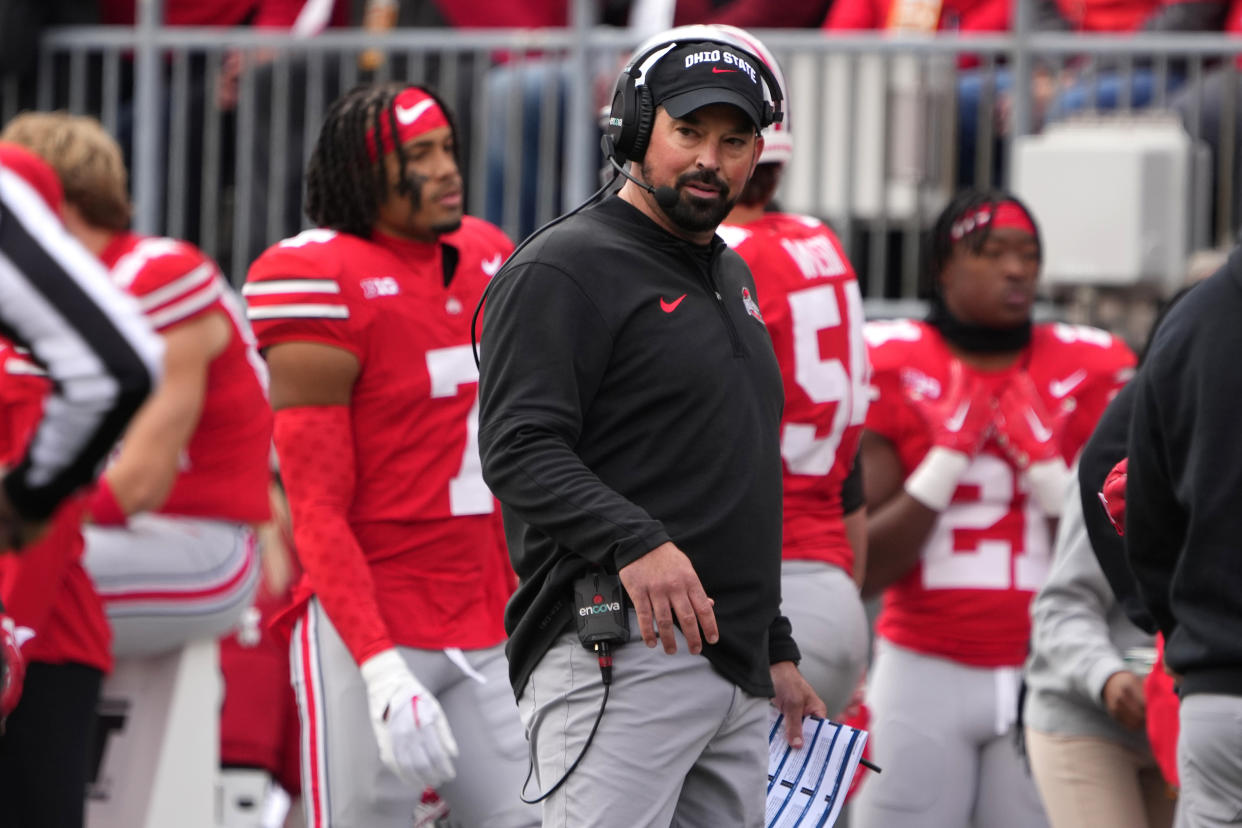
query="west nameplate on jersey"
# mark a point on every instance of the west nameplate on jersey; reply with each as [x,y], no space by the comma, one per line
[599,609]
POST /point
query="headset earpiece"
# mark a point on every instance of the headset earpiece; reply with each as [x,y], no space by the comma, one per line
[644,118]
[629,121]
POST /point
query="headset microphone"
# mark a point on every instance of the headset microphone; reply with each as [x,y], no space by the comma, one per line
[666,197]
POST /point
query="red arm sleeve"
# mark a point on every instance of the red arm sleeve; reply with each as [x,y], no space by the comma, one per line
[316,449]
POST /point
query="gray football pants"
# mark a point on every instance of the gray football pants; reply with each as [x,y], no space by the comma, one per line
[344,783]
[678,744]
[829,622]
[1209,761]
[944,735]
[165,581]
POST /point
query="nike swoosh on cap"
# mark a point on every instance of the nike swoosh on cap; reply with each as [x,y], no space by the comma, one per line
[716,70]
[407,115]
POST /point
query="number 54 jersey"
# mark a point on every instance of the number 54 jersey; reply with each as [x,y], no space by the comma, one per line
[812,306]
[425,520]
[967,599]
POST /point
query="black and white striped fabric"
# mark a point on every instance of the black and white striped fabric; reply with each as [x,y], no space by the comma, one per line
[102,357]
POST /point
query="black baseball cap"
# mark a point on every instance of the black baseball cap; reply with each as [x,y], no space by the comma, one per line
[703,73]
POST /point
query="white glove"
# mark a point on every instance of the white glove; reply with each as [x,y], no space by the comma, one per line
[414,738]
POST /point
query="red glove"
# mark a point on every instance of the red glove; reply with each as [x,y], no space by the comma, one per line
[1025,428]
[12,667]
[958,422]
[960,419]
[1113,495]
[1031,436]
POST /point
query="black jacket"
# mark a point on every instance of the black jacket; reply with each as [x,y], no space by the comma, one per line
[629,397]
[1104,450]
[1184,490]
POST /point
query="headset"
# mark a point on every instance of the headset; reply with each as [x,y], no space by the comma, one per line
[628,130]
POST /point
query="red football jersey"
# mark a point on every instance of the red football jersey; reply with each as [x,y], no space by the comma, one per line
[426,522]
[968,597]
[812,306]
[225,467]
[45,587]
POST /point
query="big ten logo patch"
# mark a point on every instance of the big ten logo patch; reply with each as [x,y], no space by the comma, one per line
[380,286]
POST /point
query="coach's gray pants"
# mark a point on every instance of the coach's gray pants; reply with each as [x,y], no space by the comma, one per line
[678,744]
[1209,761]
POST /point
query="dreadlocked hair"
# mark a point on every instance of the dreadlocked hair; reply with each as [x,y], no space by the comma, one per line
[344,186]
[966,202]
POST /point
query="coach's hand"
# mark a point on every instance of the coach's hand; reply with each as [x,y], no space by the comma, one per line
[414,738]
[795,699]
[663,585]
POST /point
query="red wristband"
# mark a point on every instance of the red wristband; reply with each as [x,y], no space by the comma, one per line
[104,508]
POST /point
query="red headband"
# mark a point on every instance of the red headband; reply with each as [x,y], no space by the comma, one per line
[415,111]
[34,171]
[1005,214]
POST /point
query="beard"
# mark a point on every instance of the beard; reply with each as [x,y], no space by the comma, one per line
[691,213]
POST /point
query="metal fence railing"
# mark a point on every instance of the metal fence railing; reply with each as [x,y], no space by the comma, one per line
[885,128]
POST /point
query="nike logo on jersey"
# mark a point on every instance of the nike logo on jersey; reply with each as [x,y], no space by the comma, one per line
[1042,433]
[490,266]
[669,307]
[716,70]
[407,115]
[958,419]
[1059,388]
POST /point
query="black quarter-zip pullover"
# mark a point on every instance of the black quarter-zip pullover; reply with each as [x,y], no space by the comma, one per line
[630,396]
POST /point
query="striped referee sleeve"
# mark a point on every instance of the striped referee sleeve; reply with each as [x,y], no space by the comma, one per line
[102,357]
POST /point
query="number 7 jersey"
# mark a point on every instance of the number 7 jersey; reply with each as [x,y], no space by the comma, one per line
[968,597]
[422,515]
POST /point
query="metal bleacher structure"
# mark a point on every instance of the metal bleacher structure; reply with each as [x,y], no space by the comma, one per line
[874,118]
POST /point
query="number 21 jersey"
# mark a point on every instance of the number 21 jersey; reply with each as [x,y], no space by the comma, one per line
[968,597]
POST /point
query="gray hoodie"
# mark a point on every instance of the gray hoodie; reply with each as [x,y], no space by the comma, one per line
[1078,636]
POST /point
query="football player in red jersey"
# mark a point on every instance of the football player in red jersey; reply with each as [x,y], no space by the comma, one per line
[809,298]
[976,414]
[365,322]
[55,621]
[171,544]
